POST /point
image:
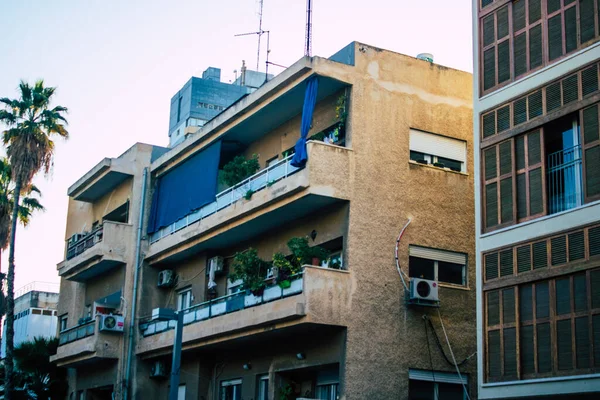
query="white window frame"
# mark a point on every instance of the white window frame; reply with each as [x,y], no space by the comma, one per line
[263,387]
[231,382]
[446,256]
[63,319]
[234,286]
[334,393]
[181,392]
[432,146]
[437,377]
[184,299]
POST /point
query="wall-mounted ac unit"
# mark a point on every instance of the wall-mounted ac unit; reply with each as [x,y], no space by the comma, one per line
[423,290]
[166,278]
[112,323]
[216,263]
[158,370]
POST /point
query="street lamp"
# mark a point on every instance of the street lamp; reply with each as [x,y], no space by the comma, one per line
[167,314]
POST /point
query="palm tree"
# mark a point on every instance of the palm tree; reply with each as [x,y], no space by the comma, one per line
[31,124]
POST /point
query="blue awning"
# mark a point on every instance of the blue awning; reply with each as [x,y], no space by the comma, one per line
[186,188]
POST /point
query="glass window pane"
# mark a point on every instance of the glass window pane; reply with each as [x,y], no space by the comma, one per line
[420,390]
[450,391]
[451,273]
[452,164]
[421,268]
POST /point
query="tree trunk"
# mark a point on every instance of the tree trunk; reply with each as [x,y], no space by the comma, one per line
[9,383]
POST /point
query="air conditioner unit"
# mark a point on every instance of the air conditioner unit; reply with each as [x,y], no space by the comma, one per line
[158,370]
[112,323]
[272,272]
[424,290]
[166,278]
[216,263]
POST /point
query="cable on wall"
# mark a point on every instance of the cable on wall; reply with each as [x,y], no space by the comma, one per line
[396,253]
[452,354]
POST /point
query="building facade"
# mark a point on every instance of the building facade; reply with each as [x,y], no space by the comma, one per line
[35,313]
[537,163]
[389,150]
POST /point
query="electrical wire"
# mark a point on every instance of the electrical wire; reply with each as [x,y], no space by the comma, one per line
[441,348]
[429,351]
[452,354]
[397,262]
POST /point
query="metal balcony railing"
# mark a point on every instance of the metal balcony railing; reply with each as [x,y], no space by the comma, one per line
[86,242]
[225,305]
[266,177]
[77,332]
[564,180]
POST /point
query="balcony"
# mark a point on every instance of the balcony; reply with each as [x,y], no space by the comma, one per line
[101,179]
[280,194]
[316,296]
[101,250]
[84,343]
[564,180]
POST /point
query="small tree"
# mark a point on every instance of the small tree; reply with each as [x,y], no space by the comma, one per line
[239,169]
[251,269]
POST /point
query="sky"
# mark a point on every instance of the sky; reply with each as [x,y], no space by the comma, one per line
[117,64]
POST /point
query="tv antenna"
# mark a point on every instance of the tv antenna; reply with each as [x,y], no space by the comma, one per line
[260,32]
[308,44]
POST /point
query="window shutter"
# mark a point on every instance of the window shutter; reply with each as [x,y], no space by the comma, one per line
[508,306]
[503,119]
[486,3]
[534,148]
[438,255]
[580,292]
[558,250]
[576,246]
[520,111]
[494,365]
[526,303]
[506,262]
[502,22]
[536,199]
[594,241]
[590,124]
[553,5]
[587,26]
[510,352]
[505,158]
[540,255]
[542,300]
[488,30]
[489,68]
[563,296]
[544,349]
[523,259]
[527,350]
[564,344]
[521,196]
[490,163]
[535,104]
[489,124]
[570,88]
[591,153]
[589,80]
[535,10]
[491,205]
[571,29]
[504,61]
[491,266]
[438,145]
[553,100]
[596,336]
[520,54]
[592,171]
[535,47]
[493,308]
[520,152]
[518,14]
[595,284]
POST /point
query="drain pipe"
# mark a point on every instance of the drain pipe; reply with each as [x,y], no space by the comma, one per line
[135,285]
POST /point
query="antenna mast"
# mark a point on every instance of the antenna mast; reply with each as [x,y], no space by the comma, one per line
[260,32]
[308,45]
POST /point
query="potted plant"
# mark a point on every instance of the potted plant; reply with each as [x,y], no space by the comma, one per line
[285,269]
[251,269]
[239,169]
[304,254]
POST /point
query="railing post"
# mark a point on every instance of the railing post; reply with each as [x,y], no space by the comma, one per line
[287,161]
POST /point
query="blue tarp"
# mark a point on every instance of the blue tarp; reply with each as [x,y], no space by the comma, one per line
[186,188]
[310,99]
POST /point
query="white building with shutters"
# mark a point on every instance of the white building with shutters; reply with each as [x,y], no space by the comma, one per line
[537,197]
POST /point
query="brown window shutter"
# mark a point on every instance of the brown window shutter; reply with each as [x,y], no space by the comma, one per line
[502,22]
[542,300]
[508,305]
[553,100]
[491,266]
[535,10]
[594,241]
[553,5]
[540,255]
[555,41]
[590,124]
[489,68]
[504,61]
[488,30]
[486,3]
[520,54]
[494,359]
[493,308]
[570,89]
[503,118]
[580,292]
[595,283]
[518,15]
[520,110]
[589,80]
[521,196]
[571,29]
[544,348]
[506,200]
[535,47]
[564,344]
[491,205]
[527,350]
[558,250]
[576,246]
[520,152]
[536,196]
[587,26]
[535,104]
[582,342]
[510,352]
[490,163]
[596,336]
[563,296]
[592,171]
[505,157]
[489,124]
[534,148]
[526,303]
[523,259]
[506,262]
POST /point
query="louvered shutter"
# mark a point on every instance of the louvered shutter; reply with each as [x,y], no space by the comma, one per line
[510,352]
[553,100]
[571,29]
[488,30]
[504,61]
[544,348]
[594,241]
[527,350]
[520,152]
[591,153]
[553,5]
[563,296]
[502,22]
[555,41]
[595,284]
[490,163]
[489,124]
[540,255]
[580,292]
[520,111]
[506,262]
[570,89]
[564,344]
[520,54]
[582,342]
[535,10]
[558,250]
[592,171]
[503,119]
[590,124]
[518,15]
[491,266]
[494,359]
[542,300]
[508,306]
[491,205]
[587,26]
[523,258]
[534,149]
[506,200]
[536,197]
[535,47]
[589,80]
[486,3]
[521,196]
[526,303]
[493,308]
[576,246]
[489,68]
[596,339]
[534,101]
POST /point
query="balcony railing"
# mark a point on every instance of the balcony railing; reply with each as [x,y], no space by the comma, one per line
[225,305]
[262,179]
[564,180]
[78,332]
[88,241]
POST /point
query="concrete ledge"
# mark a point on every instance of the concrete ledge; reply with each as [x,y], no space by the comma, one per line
[98,346]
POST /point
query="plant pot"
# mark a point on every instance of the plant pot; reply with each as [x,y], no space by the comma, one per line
[316,261]
[285,284]
[258,292]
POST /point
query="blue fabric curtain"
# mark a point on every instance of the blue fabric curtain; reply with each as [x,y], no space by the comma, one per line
[186,188]
[310,99]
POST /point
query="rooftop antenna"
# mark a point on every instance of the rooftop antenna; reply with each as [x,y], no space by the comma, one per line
[308,44]
[260,32]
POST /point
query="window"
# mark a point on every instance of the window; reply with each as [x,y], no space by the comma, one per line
[231,390]
[119,214]
[184,299]
[328,391]
[272,161]
[63,322]
[181,392]
[179,111]
[558,323]
[263,387]
[441,151]
[433,385]
[234,286]
[437,265]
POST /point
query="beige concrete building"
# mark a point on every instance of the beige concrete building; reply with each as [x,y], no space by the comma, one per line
[390,142]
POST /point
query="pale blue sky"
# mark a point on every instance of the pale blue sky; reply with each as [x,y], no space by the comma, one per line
[117,64]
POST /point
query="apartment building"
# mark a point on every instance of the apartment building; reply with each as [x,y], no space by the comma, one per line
[537,169]
[366,156]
